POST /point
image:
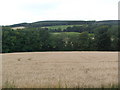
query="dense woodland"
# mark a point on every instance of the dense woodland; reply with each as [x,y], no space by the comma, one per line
[76,36]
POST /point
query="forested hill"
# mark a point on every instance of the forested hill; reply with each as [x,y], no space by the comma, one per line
[66,22]
[61,36]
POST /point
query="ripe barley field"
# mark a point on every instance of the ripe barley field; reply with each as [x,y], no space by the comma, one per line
[60,70]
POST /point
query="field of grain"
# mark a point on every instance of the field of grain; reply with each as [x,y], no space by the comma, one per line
[60,69]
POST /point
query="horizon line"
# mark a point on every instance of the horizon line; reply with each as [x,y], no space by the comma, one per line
[58,20]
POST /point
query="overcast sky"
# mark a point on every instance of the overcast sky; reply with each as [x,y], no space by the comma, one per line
[19,11]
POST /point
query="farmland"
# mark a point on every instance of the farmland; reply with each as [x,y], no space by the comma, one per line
[60,69]
[60,54]
[62,27]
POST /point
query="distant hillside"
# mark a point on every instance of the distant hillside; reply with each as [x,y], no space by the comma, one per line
[108,22]
[66,22]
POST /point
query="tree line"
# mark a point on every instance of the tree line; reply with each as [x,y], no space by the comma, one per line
[102,38]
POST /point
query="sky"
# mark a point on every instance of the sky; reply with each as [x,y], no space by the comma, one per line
[20,11]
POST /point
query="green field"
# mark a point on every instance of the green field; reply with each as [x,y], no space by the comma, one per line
[70,33]
[60,26]
[67,33]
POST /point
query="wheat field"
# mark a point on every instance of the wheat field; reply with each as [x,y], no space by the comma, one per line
[59,69]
